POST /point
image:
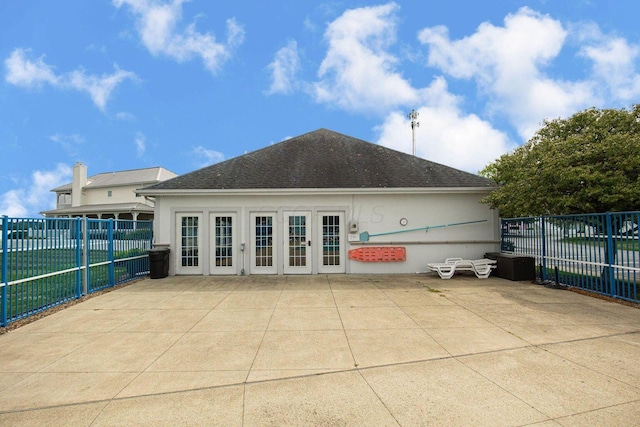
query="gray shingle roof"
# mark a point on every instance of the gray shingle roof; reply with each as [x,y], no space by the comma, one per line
[113,179]
[323,159]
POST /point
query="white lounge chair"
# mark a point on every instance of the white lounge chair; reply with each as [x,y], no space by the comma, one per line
[445,270]
[480,267]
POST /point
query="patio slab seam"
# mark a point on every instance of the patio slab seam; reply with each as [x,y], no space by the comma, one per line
[483,336]
[264,334]
[353,357]
[159,356]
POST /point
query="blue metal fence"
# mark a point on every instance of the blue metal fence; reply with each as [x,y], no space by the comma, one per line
[594,252]
[48,261]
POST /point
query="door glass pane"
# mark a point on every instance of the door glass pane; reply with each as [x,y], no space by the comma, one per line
[224,242]
[189,233]
[264,241]
[297,241]
[331,240]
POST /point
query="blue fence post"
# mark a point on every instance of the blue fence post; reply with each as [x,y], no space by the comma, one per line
[611,257]
[544,249]
[78,228]
[112,273]
[5,279]
[87,255]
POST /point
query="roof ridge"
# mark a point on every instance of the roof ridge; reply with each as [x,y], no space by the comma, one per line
[128,170]
[324,159]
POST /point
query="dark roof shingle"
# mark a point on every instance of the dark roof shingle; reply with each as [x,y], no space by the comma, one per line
[323,159]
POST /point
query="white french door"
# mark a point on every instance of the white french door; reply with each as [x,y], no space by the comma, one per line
[330,242]
[222,254]
[189,238]
[264,248]
[297,242]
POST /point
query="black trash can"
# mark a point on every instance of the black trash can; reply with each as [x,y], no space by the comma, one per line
[159,263]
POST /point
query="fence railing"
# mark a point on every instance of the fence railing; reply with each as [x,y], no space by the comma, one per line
[48,261]
[595,252]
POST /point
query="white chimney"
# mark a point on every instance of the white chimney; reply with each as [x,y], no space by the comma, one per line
[79,181]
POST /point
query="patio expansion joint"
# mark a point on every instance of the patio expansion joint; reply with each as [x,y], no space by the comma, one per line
[619,334]
[380,399]
[255,356]
[243,383]
[458,359]
[344,331]
[44,368]
[584,366]
[564,417]
[139,373]
[541,347]
[359,370]
[418,326]
[455,303]
[545,347]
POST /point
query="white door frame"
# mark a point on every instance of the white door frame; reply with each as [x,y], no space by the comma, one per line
[297,243]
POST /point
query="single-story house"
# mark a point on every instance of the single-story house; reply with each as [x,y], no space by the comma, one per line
[322,202]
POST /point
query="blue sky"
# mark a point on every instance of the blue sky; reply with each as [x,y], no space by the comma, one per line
[128,84]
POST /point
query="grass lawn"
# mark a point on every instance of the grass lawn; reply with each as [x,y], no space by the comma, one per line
[622,244]
[26,298]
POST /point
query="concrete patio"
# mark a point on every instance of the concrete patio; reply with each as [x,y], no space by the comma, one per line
[326,350]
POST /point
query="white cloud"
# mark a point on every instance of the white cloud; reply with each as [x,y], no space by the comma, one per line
[309,25]
[205,157]
[70,142]
[358,72]
[99,88]
[512,66]
[35,196]
[21,71]
[125,116]
[507,64]
[12,204]
[284,69]
[614,62]
[157,27]
[140,142]
[25,73]
[446,134]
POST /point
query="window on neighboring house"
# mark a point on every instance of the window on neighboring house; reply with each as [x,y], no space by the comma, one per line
[64,199]
[109,193]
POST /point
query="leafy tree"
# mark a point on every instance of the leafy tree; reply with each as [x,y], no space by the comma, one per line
[587,163]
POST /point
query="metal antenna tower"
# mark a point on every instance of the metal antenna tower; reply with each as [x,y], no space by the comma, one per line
[413,115]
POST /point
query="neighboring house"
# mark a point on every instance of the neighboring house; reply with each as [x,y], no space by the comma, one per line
[107,195]
[300,207]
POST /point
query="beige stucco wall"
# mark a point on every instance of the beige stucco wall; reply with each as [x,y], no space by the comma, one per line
[119,194]
[373,213]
